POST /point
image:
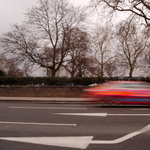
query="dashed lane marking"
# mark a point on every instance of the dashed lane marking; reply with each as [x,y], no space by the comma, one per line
[83,114]
[101,114]
[41,124]
[11,107]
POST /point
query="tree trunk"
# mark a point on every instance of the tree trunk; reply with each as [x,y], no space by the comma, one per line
[53,73]
[131,72]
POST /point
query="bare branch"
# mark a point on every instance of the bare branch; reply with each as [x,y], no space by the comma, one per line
[141,8]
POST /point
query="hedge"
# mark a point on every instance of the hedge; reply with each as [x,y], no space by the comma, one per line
[49,81]
[2,73]
[60,81]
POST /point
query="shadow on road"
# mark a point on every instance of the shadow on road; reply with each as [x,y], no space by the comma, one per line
[119,106]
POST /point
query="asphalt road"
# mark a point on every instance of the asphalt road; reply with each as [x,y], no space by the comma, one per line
[27,126]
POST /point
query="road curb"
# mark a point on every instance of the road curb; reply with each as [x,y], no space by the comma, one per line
[43,99]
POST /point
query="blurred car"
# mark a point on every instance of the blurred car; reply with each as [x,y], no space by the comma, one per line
[120,92]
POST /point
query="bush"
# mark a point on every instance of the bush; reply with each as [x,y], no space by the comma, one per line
[2,73]
[59,81]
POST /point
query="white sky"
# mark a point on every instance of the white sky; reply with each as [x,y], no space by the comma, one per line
[12,11]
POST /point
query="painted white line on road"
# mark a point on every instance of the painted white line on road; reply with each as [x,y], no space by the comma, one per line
[42,124]
[81,142]
[130,115]
[101,114]
[83,114]
[47,108]
[122,139]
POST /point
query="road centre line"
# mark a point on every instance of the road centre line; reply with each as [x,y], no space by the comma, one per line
[100,114]
[11,107]
[41,124]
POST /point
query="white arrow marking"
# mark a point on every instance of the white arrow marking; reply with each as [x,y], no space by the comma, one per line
[42,124]
[100,114]
[81,142]
[71,142]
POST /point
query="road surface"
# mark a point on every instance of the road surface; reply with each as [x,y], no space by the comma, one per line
[73,126]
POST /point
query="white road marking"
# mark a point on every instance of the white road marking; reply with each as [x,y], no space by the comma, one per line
[129,115]
[11,107]
[81,142]
[122,139]
[71,142]
[100,114]
[42,124]
[83,114]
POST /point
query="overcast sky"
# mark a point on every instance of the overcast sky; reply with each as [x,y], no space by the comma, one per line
[12,11]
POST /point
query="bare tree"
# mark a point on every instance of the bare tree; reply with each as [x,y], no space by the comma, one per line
[13,71]
[111,68]
[132,44]
[42,40]
[3,62]
[9,67]
[102,48]
[78,53]
[141,8]
[145,59]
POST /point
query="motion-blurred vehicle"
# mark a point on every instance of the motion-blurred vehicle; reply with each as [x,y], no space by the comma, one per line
[119,92]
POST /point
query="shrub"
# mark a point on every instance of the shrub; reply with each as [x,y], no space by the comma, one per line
[59,81]
[2,73]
